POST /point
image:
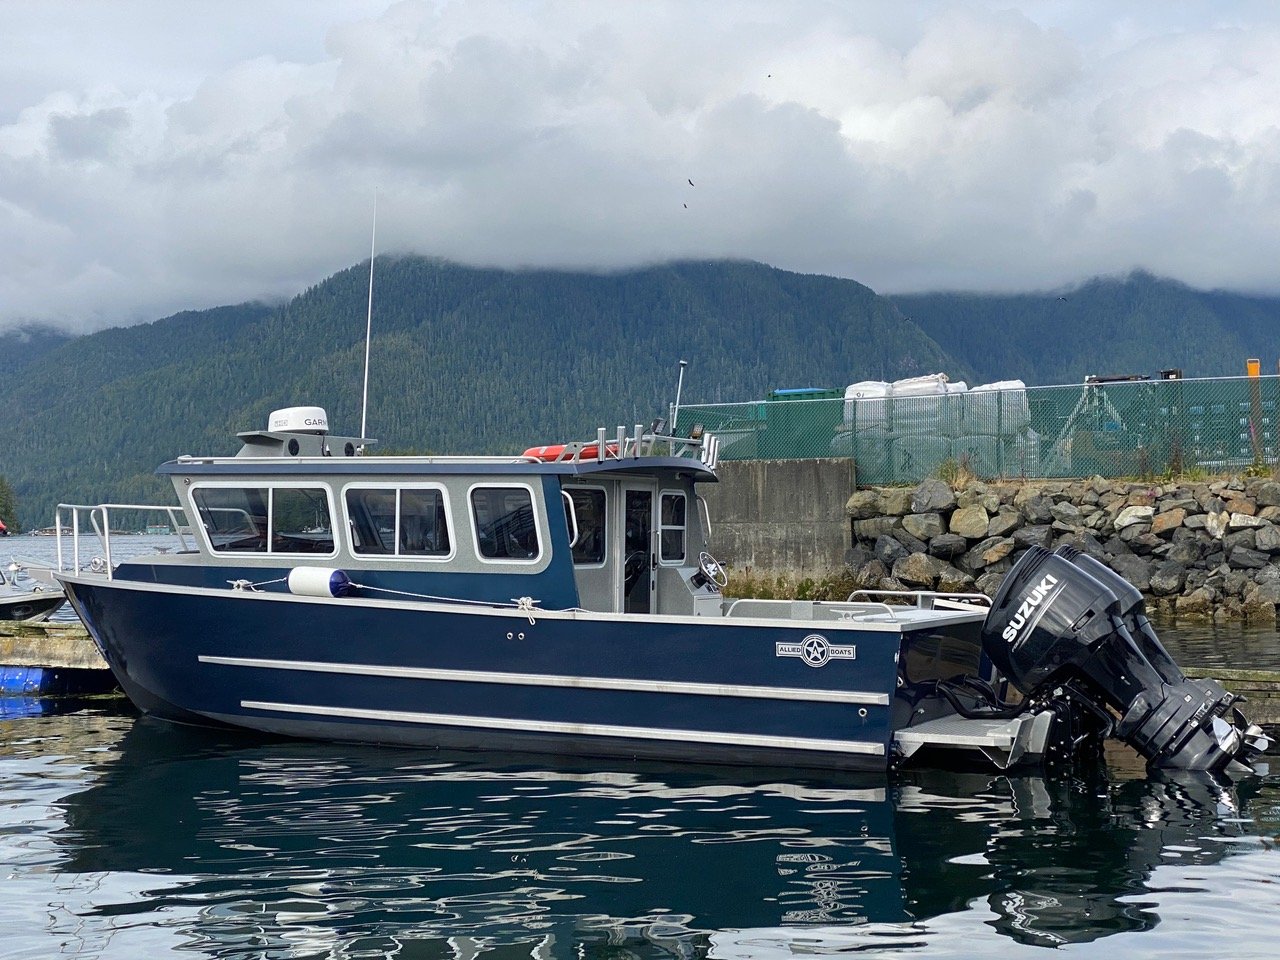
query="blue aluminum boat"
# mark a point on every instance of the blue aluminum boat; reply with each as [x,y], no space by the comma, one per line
[564,601]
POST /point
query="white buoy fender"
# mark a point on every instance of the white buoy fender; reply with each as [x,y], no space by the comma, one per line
[319,582]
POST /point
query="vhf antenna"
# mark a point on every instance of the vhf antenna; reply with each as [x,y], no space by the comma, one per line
[368,330]
[675,408]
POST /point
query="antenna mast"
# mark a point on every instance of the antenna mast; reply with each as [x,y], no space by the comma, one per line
[675,407]
[368,330]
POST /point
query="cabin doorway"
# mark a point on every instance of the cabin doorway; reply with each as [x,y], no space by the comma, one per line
[639,556]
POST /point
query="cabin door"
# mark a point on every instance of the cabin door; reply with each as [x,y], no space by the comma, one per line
[639,552]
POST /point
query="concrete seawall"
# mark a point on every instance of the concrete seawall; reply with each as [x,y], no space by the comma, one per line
[781,517]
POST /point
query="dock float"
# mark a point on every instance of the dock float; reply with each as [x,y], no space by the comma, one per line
[50,660]
[1260,688]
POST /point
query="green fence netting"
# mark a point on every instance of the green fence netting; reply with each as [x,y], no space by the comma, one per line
[1115,429]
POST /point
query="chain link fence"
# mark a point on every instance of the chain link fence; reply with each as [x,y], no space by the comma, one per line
[1113,429]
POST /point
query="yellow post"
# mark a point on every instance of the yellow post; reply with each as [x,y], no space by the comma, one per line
[1253,368]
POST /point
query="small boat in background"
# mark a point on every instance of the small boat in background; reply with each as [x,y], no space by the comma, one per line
[24,596]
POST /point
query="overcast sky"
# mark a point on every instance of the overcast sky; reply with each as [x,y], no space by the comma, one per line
[158,155]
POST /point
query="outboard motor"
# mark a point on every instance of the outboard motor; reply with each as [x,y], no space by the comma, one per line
[1062,636]
[1133,613]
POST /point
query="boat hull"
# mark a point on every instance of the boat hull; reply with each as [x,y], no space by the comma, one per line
[31,607]
[688,688]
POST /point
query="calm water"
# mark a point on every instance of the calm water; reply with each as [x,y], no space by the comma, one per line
[123,837]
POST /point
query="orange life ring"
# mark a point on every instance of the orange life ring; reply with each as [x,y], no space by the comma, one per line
[555,451]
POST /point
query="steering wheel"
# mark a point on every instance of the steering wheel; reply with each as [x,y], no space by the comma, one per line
[632,567]
[713,570]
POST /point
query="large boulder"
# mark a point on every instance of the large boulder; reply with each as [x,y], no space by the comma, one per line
[981,495]
[1268,539]
[863,505]
[951,580]
[1185,552]
[988,552]
[1165,522]
[913,544]
[1244,558]
[1145,542]
[1216,523]
[918,570]
[875,527]
[1198,604]
[1240,538]
[1037,509]
[970,522]
[1135,569]
[932,496]
[1034,535]
[1259,612]
[1263,593]
[989,583]
[1241,505]
[1134,515]
[1268,494]
[1235,582]
[1244,521]
[889,551]
[923,526]
[948,545]
[896,501]
[1004,523]
[1167,579]
[1066,513]
[870,574]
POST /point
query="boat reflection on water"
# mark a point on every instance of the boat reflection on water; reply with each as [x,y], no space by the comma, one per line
[303,848]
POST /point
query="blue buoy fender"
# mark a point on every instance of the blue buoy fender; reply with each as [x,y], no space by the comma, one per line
[319,582]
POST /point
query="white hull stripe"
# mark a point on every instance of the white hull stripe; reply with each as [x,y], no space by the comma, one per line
[554,680]
[574,729]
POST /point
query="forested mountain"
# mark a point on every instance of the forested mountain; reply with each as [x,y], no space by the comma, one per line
[1137,324]
[474,360]
[463,360]
[28,343]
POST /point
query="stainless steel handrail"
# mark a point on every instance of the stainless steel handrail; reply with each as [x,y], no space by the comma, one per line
[99,515]
[922,595]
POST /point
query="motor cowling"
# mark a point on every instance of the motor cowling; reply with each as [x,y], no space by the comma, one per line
[1061,627]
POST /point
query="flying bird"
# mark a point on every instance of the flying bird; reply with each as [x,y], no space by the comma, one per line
[691,183]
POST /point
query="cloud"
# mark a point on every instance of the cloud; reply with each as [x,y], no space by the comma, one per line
[912,146]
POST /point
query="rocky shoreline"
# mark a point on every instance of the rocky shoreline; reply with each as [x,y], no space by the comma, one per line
[1200,551]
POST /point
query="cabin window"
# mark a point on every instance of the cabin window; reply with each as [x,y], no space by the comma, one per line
[400,522]
[235,518]
[504,523]
[673,525]
[588,508]
[265,519]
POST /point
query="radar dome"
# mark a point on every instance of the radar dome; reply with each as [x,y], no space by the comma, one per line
[298,420]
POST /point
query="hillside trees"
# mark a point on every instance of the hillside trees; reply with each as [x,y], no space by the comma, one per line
[8,506]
